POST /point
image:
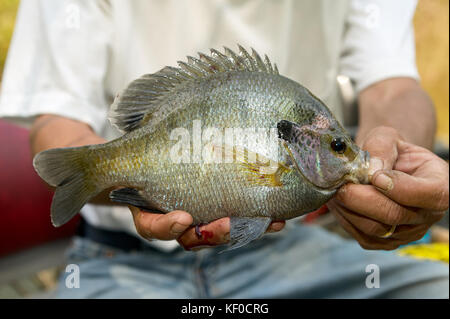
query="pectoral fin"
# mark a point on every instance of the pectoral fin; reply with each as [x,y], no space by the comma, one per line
[260,170]
[244,230]
[132,197]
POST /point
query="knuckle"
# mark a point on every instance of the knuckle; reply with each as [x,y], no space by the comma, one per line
[142,231]
[434,217]
[394,214]
[389,131]
[144,226]
[378,136]
[442,198]
[418,236]
[378,140]
[345,194]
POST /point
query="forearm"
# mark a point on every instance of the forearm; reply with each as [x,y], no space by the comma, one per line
[399,103]
[52,131]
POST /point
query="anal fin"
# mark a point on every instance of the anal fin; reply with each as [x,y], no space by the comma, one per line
[132,196]
[244,230]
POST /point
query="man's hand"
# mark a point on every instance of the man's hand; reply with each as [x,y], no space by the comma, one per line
[177,225]
[410,189]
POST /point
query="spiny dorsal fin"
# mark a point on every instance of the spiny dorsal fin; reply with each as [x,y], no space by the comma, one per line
[141,97]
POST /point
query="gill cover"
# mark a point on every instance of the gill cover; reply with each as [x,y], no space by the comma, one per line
[310,148]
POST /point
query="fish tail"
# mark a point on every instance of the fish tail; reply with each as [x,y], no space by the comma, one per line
[64,169]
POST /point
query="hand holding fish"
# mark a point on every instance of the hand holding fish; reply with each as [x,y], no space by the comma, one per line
[177,225]
[216,233]
[410,190]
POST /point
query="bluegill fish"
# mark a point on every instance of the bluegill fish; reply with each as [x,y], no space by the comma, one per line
[159,163]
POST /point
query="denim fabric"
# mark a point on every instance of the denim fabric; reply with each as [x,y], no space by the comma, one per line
[299,262]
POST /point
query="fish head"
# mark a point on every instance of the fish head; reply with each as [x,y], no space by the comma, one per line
[324,153]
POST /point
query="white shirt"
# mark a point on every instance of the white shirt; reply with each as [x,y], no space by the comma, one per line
[70,57]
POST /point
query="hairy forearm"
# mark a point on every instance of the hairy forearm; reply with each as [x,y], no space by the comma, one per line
[399,103]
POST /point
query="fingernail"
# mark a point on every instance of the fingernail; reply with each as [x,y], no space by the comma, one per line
[384,182]
[375,164]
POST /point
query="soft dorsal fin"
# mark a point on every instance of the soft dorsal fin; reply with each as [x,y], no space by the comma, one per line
[141,97]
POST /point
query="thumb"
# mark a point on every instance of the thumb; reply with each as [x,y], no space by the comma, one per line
[429,192]
[381,143]
[161,226]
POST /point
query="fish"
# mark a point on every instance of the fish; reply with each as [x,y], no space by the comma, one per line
[221,135]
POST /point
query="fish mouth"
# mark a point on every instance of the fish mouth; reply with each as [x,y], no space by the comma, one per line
[359,173]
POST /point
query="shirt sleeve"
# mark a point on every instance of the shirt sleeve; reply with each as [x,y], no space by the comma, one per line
[379,41]
[57,62]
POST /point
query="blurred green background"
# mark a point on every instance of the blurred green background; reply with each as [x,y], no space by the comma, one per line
[432,42]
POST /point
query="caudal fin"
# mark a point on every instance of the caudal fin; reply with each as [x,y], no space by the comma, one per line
[64,169]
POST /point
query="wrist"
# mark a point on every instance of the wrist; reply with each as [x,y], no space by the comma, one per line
[399,103]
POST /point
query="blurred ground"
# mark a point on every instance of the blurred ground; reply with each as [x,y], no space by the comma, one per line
[39,285]
[432,42]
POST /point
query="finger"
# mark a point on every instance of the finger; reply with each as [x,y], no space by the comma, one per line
[366,242]
[381,143]
[216,233]
[375,229]
[366,200]
[213,234]
[161,226]
[275,226]
[365,225]
[410,232]
[424,192]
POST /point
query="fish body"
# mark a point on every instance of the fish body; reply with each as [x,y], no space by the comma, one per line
[221,136]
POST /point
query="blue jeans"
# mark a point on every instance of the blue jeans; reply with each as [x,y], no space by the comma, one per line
[299,262]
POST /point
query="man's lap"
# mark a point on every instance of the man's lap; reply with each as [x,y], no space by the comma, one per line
[299,262]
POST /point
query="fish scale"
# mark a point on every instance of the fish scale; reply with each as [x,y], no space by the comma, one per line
[222,91]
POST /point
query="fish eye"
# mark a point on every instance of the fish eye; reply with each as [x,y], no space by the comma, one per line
[338,145]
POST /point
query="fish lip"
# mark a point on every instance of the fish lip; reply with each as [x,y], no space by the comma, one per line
[361,168]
